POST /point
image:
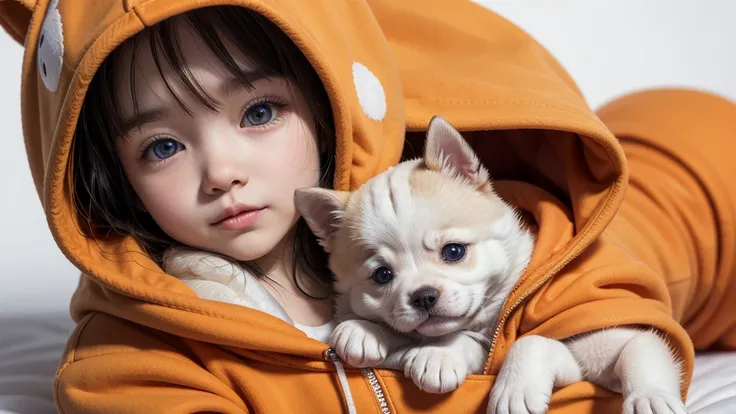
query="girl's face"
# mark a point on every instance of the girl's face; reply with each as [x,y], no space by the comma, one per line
[219,180]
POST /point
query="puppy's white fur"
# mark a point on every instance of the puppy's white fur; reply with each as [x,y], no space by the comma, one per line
[401,220]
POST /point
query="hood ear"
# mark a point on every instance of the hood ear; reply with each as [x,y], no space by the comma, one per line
[322,210]
[15,17]
[447,151]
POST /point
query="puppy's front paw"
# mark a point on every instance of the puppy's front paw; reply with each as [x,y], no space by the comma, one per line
[358,342]
[436,370]
[516,392]
[653,403]
[524,384]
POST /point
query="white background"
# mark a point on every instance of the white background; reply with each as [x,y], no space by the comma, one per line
[609,47]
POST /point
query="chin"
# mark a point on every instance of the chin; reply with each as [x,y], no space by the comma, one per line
[250,246]
[244,256]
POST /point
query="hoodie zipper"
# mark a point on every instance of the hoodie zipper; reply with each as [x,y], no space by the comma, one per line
[584,240]
[331,356]
[508,313]
[522,298]
[377,390]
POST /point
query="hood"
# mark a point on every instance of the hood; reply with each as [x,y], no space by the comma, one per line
[520,110]
[457,60]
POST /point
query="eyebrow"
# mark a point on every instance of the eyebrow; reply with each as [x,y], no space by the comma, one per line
[245,80]
[142,118]
[227,87]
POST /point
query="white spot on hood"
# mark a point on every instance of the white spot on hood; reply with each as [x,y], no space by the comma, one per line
[370,92]
[51,47]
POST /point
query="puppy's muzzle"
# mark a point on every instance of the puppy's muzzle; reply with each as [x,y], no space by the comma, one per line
[424,298]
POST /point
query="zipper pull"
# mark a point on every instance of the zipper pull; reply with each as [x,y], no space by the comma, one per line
[331,355]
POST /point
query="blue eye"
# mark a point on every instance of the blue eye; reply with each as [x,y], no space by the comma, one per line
[382,275]
[453,252]
[164,148]
[257,115]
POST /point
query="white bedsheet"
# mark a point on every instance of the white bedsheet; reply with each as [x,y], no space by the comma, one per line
[30,347]
[713,390]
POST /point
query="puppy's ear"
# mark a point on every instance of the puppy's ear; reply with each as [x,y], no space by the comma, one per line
[322,210]
[448,152]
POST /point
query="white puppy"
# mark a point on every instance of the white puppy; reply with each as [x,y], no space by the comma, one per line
[424,256]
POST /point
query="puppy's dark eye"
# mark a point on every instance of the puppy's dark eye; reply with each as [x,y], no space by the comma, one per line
[383,275]
[453,252]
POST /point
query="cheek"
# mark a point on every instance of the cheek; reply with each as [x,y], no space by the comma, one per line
[164,196]
[491,259]
[457,296]
[366,301]
[297,155]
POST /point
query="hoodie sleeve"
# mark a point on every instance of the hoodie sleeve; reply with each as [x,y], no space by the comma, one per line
[604,287]
[113,366]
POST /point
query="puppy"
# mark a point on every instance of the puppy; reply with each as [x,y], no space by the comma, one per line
[424,256]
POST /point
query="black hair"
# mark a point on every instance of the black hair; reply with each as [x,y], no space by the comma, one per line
[104,199]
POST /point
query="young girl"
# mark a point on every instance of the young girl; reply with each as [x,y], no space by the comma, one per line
[207,139]
[153,125]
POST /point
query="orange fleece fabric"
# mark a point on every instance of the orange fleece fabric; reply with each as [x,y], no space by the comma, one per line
[659,255]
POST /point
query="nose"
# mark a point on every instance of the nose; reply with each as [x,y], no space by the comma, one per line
[425,298]
[222,174]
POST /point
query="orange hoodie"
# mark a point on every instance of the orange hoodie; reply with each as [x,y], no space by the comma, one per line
[146,344]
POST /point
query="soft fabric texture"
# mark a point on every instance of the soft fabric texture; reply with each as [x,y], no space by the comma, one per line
[713,390]
[144,341]
[31,345]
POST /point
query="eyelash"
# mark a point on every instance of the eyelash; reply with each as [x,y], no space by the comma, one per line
[277,102]
[148,145]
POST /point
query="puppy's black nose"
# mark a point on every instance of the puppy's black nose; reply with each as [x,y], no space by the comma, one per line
[425,298]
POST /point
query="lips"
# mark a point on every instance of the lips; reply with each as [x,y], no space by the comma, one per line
[238,216]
